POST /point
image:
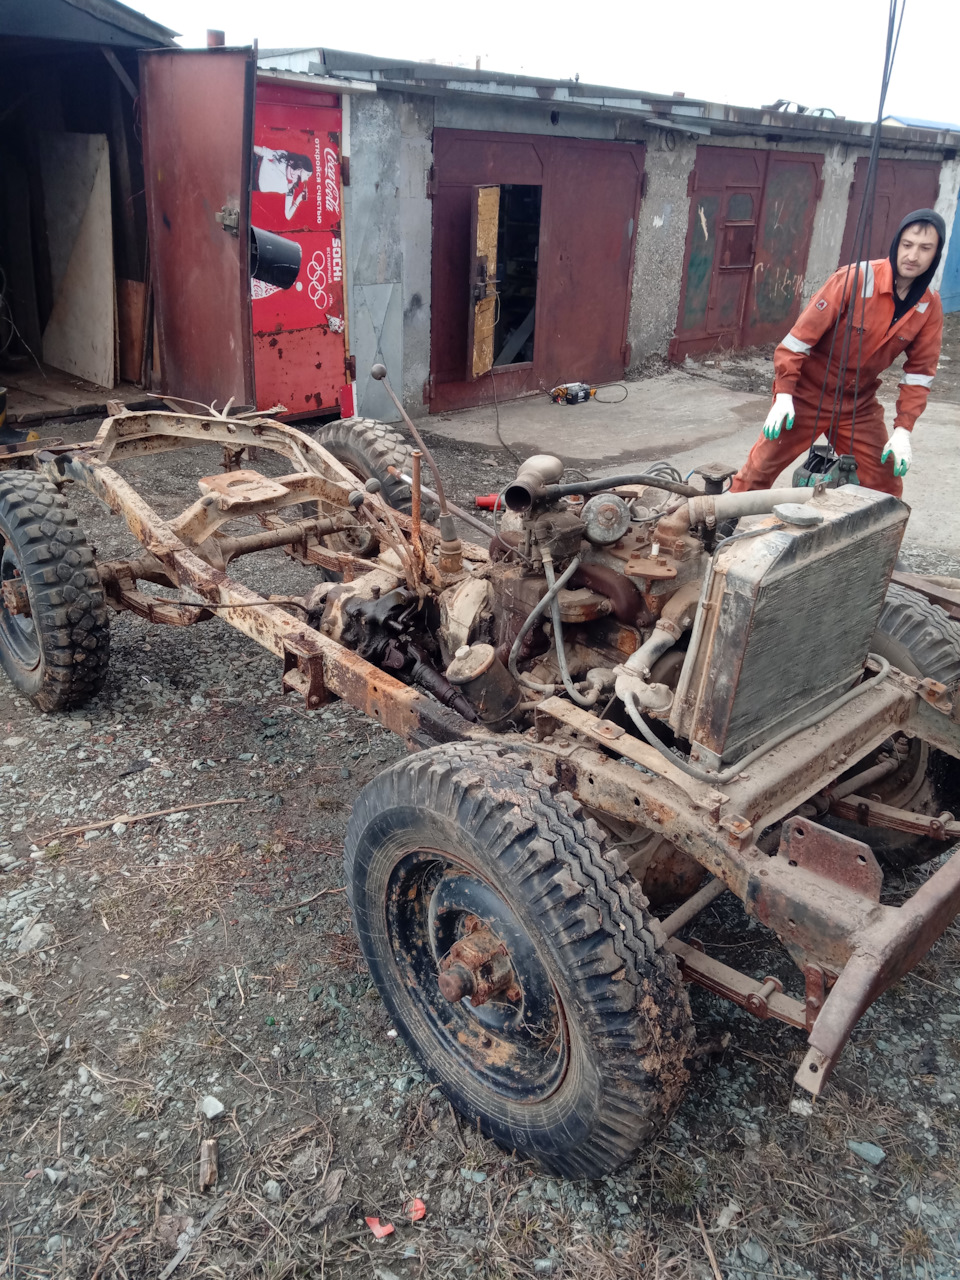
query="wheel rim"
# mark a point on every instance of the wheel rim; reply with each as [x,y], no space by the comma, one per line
[17,633]
[518,1047]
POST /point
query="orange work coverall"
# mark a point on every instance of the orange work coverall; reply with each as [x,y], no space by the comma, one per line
[801,360]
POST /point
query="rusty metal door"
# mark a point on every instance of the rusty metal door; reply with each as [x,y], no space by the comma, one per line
[588,219]
[902,186]
[197,151]
[588,227]
[726,187]
[482,317]
[791,192]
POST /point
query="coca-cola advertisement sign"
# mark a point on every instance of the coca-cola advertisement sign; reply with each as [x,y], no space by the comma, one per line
[297,266]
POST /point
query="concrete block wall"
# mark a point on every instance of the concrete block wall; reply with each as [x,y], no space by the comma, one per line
[947,207]
[373,249]
[661,239]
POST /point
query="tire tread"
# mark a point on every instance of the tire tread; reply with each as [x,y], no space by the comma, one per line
[67,599]
[590,908]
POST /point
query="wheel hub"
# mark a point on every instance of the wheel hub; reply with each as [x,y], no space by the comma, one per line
[475,975]
[478,966]
[15,598]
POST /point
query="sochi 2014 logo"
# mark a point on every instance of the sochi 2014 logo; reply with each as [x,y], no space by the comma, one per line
[317,276]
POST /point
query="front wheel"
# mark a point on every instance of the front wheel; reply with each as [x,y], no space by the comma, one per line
[919,639]
[516,957]
[54,628]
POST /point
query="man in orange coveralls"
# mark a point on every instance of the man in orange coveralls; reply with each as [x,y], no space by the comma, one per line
[897,312]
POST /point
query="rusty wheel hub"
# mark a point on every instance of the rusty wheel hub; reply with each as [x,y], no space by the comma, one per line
[15,598]
[480,980]
[477,966]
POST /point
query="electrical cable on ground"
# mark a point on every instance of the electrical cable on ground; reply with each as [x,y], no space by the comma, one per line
[604,385]
[496,426]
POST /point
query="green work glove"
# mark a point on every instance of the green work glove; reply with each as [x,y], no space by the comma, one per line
[781,415]
[899,446]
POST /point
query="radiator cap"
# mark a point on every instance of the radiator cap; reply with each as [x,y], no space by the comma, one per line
[799,513]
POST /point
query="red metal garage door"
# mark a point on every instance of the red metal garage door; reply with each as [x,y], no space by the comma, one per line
[792,189]
[751,219]
[902,186]
[588,213]
[197,152]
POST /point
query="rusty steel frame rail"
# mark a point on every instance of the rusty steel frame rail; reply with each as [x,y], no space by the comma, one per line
[313,664]
[824,908]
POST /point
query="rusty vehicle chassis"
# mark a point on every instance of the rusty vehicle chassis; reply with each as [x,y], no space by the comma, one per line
[819,891]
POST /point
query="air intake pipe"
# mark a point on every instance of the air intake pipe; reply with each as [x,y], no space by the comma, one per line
[532,479]
[633,675]
[710,509]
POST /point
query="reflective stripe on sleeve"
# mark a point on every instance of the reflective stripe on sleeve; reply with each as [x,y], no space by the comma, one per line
[867,279]
[794,344]
[917,380]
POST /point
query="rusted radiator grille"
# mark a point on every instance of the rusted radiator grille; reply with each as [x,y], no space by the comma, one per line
[792,615]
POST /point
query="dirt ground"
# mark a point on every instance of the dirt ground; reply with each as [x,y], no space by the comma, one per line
[202,961]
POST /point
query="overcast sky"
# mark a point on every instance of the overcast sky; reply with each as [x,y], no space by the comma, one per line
[822,53]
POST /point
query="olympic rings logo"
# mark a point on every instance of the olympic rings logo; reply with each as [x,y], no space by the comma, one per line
[317,275]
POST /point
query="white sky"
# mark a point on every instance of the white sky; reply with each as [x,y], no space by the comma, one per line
[747,52]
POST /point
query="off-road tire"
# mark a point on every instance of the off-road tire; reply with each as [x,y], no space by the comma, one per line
[368,448]
[482,812]
[927,632]
[58,656]
[919,639]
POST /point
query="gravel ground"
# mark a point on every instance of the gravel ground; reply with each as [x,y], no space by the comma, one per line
[193,975]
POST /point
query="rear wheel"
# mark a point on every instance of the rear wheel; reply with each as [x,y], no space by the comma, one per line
[517,958]
[367,448]
[54,629]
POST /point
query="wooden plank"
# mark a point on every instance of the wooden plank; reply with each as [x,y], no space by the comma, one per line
[131,296]
[485,216]
[945,597]
[80,334]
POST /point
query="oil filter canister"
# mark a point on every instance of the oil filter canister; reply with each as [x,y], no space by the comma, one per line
[485,682]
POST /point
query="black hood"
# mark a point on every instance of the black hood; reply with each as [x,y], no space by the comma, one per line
[919,286]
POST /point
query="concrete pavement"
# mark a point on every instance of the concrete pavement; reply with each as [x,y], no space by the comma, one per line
[690,420]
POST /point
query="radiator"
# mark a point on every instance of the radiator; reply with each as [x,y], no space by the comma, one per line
[785,621]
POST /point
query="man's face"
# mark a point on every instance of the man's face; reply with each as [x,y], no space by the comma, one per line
[918,245]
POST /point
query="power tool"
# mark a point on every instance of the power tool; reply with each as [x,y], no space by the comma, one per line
[572,393]
[825,466]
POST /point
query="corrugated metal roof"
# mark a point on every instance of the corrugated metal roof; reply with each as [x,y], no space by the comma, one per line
[697,116]
[914,122]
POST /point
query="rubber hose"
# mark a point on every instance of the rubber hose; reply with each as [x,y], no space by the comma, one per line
[582,700]
[532,616]
[726,775]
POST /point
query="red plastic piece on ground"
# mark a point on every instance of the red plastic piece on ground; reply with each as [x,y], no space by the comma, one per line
[486,500]
[379,1229]
[416,1210]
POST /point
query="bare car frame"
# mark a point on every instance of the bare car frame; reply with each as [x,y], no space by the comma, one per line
[525,966]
